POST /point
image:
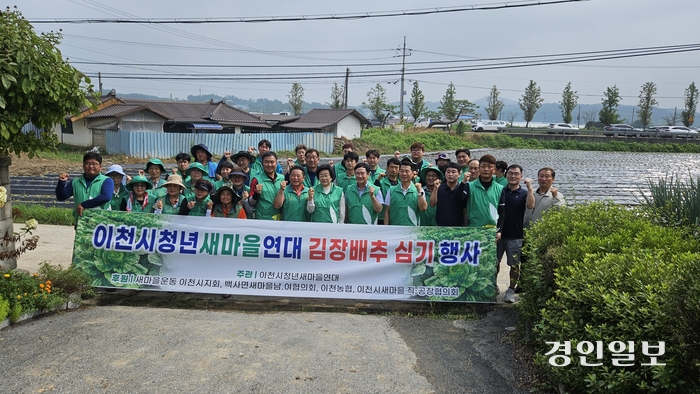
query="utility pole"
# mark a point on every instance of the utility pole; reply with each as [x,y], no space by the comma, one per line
[99,78]
[345,91]
[403,55]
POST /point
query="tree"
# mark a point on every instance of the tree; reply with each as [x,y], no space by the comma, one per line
[337,95]
[531,101]
[611,100]
[296,98]
[495,106]
[511,117]
[36,84]
[377,104]
[569,100]
[416,105]
[589,117]
[646,103]
[448,105]
[671,120]
[691,104]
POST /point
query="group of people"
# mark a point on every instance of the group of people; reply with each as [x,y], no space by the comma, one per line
[409,191]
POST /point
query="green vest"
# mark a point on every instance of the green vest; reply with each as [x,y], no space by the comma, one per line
[403,210]
[169,209]
[373,177]
[307,179]
[116,202]
[218,212]
[264,208]
[82,193]
[360,210]
[137,207]
[344,181]
[427,217]
[294,208]
[200,207]
[482,206]
[501,180]
[384,185]
[256,168]
[327,205]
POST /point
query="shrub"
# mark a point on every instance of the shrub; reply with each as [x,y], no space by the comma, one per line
[43,215]
[28,293]
[4,308]
[601,272]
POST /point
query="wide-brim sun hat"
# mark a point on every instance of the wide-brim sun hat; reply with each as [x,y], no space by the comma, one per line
[155,162]
[115,168]
[174,180]
[424,172]
[240,154]
[198,166]
[193,151]
[235,197]
[138,179]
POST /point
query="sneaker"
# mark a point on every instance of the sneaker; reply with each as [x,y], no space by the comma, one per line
[519,290]
[510,296]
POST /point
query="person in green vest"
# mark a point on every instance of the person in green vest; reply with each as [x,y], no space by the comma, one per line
[326,200]
[347,176]
[183,161]
[257,166]
[463,156]
[481,196]
[363,201]
[155,170]
[417,152]
[340,167]
[500,177]
[311,169]
[139,199]
[201,204]
[116,172]
[237,181]
[372,159]
[292,198]
[404,201]
[226,204]
[201,155]
[170,203]
[428,176]
[264,188]
[388,179]
[91,190]
[243,160]
[224,170]
[197,171]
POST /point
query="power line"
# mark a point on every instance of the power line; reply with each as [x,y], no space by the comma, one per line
[300,18]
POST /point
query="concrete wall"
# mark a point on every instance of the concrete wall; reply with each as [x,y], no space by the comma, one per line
[82,136]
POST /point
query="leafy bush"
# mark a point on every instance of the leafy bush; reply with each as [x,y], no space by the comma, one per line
[4,308]
[67,281]
[601,272]
[27,293]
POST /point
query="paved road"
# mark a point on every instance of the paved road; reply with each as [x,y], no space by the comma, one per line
[130,349]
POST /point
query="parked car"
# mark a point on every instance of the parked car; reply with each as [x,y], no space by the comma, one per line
[498,126]
[430,123]
[626,130]
[677,132]
[561,128]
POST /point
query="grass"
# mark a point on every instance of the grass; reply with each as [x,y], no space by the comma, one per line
[387,141]
[674,201]
[53,215]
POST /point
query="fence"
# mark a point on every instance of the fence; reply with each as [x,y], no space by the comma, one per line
[163,145]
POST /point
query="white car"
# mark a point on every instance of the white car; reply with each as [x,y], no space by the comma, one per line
[429,122]
[677,132]
[561,128]
[498,126]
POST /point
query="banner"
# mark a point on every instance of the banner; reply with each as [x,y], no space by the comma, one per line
[287,259]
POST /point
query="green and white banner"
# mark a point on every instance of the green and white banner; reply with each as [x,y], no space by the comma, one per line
[289,259]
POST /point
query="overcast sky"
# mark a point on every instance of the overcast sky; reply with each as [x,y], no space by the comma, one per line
[595,25]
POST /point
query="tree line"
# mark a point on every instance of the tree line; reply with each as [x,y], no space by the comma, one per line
[451,108]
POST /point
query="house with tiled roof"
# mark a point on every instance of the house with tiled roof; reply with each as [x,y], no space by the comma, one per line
[89,127]
[346,123]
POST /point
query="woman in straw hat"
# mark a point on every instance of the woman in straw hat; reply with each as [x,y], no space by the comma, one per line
[170,203]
